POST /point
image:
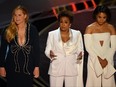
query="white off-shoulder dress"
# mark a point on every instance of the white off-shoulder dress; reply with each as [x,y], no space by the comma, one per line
[97,76]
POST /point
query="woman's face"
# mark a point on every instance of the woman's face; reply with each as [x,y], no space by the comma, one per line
[64,23]
[19,17]
[101,18]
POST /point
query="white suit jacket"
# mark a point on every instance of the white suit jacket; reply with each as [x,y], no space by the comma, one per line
[66,60]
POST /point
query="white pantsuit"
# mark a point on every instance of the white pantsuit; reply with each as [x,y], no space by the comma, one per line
[65,65]
[57,81]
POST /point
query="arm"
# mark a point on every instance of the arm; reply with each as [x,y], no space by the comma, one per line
[112,46]
[113,43]
[80,52]
[36,47]
[80,58]
[92,55]
[3,50]
[48,50]
[113,38]
[88,43]
[36,53]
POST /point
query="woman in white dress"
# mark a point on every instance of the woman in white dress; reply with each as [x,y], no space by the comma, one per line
[65,50]
[100,43]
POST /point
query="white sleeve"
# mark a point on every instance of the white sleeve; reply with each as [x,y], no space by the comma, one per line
[80,65]
[113,42]
[112,47]
[48,45]
[110,70]
[92,54]
[80,45]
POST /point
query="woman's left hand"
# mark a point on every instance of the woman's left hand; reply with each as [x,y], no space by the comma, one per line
[36,72]
[79,56]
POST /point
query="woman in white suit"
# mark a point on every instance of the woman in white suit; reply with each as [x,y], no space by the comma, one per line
[65,50]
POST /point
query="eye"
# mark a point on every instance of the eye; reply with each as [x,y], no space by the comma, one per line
[19,14]
[99,17]
[61,21]
[66,22]
[104,17]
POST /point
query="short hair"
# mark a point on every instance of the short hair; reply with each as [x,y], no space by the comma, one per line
[66,13]
[103,9]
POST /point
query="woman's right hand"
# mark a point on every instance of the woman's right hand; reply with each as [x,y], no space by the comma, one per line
[2,72]
[52,55]
[103,63]
[79,56]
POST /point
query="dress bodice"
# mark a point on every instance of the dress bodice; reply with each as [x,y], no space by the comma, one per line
[105,38]
[97,37]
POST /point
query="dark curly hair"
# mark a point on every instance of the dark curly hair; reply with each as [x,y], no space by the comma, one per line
[66,13]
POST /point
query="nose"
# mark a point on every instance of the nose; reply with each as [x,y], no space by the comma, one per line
[63,24]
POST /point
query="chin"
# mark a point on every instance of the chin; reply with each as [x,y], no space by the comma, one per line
[101,23]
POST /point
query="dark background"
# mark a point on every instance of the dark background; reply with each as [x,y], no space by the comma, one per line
[42,16]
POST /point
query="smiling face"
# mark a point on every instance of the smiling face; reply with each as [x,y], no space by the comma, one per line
[101,18]
[64,23]
[19,17]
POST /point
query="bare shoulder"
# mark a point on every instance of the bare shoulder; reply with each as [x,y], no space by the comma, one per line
[112,29]
[89,28]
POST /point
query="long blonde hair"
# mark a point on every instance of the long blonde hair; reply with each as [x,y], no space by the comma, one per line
[11,31]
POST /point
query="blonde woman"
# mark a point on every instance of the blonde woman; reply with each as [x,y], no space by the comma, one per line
[21,62]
